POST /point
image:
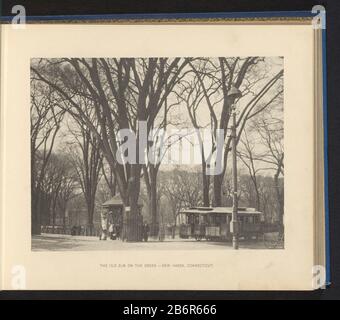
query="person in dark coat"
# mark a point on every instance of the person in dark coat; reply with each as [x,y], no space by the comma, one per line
[145,231]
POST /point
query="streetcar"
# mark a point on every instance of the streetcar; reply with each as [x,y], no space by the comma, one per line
[213,223]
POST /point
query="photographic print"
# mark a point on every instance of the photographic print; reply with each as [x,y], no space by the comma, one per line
[183,153]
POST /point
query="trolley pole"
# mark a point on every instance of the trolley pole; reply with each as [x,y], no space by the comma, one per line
[234,220]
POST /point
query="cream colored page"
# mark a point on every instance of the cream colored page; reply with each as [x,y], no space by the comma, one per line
[290,268]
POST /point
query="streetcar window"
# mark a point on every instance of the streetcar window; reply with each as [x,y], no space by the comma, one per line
[215,220]
[202,219]
[219,219]
[223,218]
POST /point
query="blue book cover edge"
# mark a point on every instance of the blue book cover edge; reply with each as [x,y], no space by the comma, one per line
[169,16]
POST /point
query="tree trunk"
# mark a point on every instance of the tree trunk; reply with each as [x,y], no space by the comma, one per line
[153,203]
[64,219]
[90,214]
[205,177]
[35,214]
[206,182]
[257,193]
[279,198]
[89,229]
[53,219]
[258,201]
[218,179]
[133,218]
[279,195]
[35,199]
[174,226]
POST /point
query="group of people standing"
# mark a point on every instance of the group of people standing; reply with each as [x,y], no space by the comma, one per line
[112,228]
[114,232]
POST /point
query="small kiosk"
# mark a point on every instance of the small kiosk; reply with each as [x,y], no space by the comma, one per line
[115,212]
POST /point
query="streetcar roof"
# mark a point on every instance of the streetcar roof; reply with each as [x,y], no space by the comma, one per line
[220,210]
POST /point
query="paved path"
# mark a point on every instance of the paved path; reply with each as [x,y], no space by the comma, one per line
[59,242]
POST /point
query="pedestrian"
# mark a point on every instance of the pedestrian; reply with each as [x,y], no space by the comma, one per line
[145,231]
[118,228]
[161,233]
[104,221]
[74,231]
[112,231]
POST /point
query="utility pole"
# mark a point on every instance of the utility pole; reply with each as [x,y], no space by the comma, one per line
[233,94]
[234,219]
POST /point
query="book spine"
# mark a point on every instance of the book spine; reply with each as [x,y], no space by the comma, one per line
[325,125]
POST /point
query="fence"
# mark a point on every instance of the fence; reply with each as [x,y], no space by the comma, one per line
[75,230]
